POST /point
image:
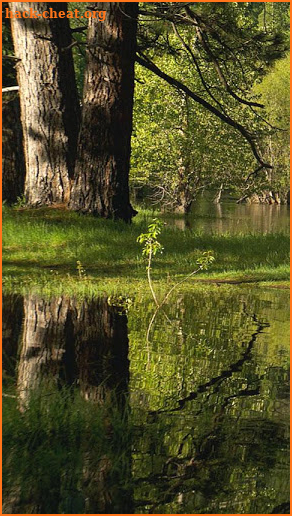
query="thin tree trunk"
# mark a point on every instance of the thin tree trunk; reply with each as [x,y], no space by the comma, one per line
[217,197]
[48,100]
[102,169]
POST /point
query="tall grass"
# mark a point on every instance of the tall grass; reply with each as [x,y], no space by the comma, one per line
[44,245]
[54,447]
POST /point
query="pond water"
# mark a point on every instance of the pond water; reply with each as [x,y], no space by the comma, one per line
[105,414]
[233,218]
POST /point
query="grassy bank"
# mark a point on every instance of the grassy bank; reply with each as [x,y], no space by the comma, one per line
[41,248]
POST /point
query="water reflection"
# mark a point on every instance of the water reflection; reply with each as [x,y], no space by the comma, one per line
[83,343]
[196,422]
[65,344]
[218,414]
[235,218]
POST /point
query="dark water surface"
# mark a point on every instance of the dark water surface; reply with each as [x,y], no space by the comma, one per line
[103,414]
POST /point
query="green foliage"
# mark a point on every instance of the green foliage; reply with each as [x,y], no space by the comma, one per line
[178,146]
[81,270]
[123,303]
[21,202]
[149,239]
[275,94]
[79,47]
[205,260]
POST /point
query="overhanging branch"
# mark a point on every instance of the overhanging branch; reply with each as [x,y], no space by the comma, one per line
[144,61]
[207,48]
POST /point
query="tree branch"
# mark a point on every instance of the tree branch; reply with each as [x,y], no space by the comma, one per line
[9,89]
[189,50]
[144,61]
[209,52]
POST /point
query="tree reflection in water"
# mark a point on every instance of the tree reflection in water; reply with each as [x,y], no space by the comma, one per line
[66,345]
[199,426]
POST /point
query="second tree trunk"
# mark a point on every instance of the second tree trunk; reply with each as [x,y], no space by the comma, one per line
[101,177]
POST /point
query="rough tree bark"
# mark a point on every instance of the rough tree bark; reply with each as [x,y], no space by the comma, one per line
[48,100]
[100,184]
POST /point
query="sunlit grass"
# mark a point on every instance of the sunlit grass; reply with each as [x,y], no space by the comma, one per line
[41,248]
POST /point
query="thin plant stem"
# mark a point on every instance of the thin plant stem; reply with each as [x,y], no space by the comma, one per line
[177,284]
[159,305]
[149,277]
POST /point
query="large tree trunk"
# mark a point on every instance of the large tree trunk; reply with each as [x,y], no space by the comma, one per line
[102,168]
[48,100]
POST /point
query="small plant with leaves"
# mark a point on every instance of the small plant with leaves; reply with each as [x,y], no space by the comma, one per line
[20,202]
[151,245]
[81,271]
[150,248]
[205,260]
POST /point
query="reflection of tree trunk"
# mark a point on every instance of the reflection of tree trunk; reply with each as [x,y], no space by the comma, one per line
[12,315]
[13,166]
[66,342]
[89,339]
[43,343]
[101,345]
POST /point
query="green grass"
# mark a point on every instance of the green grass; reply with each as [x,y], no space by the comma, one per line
[47,447]
[41,248]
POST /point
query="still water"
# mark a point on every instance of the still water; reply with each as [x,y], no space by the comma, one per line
[233,218]
[103,414]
